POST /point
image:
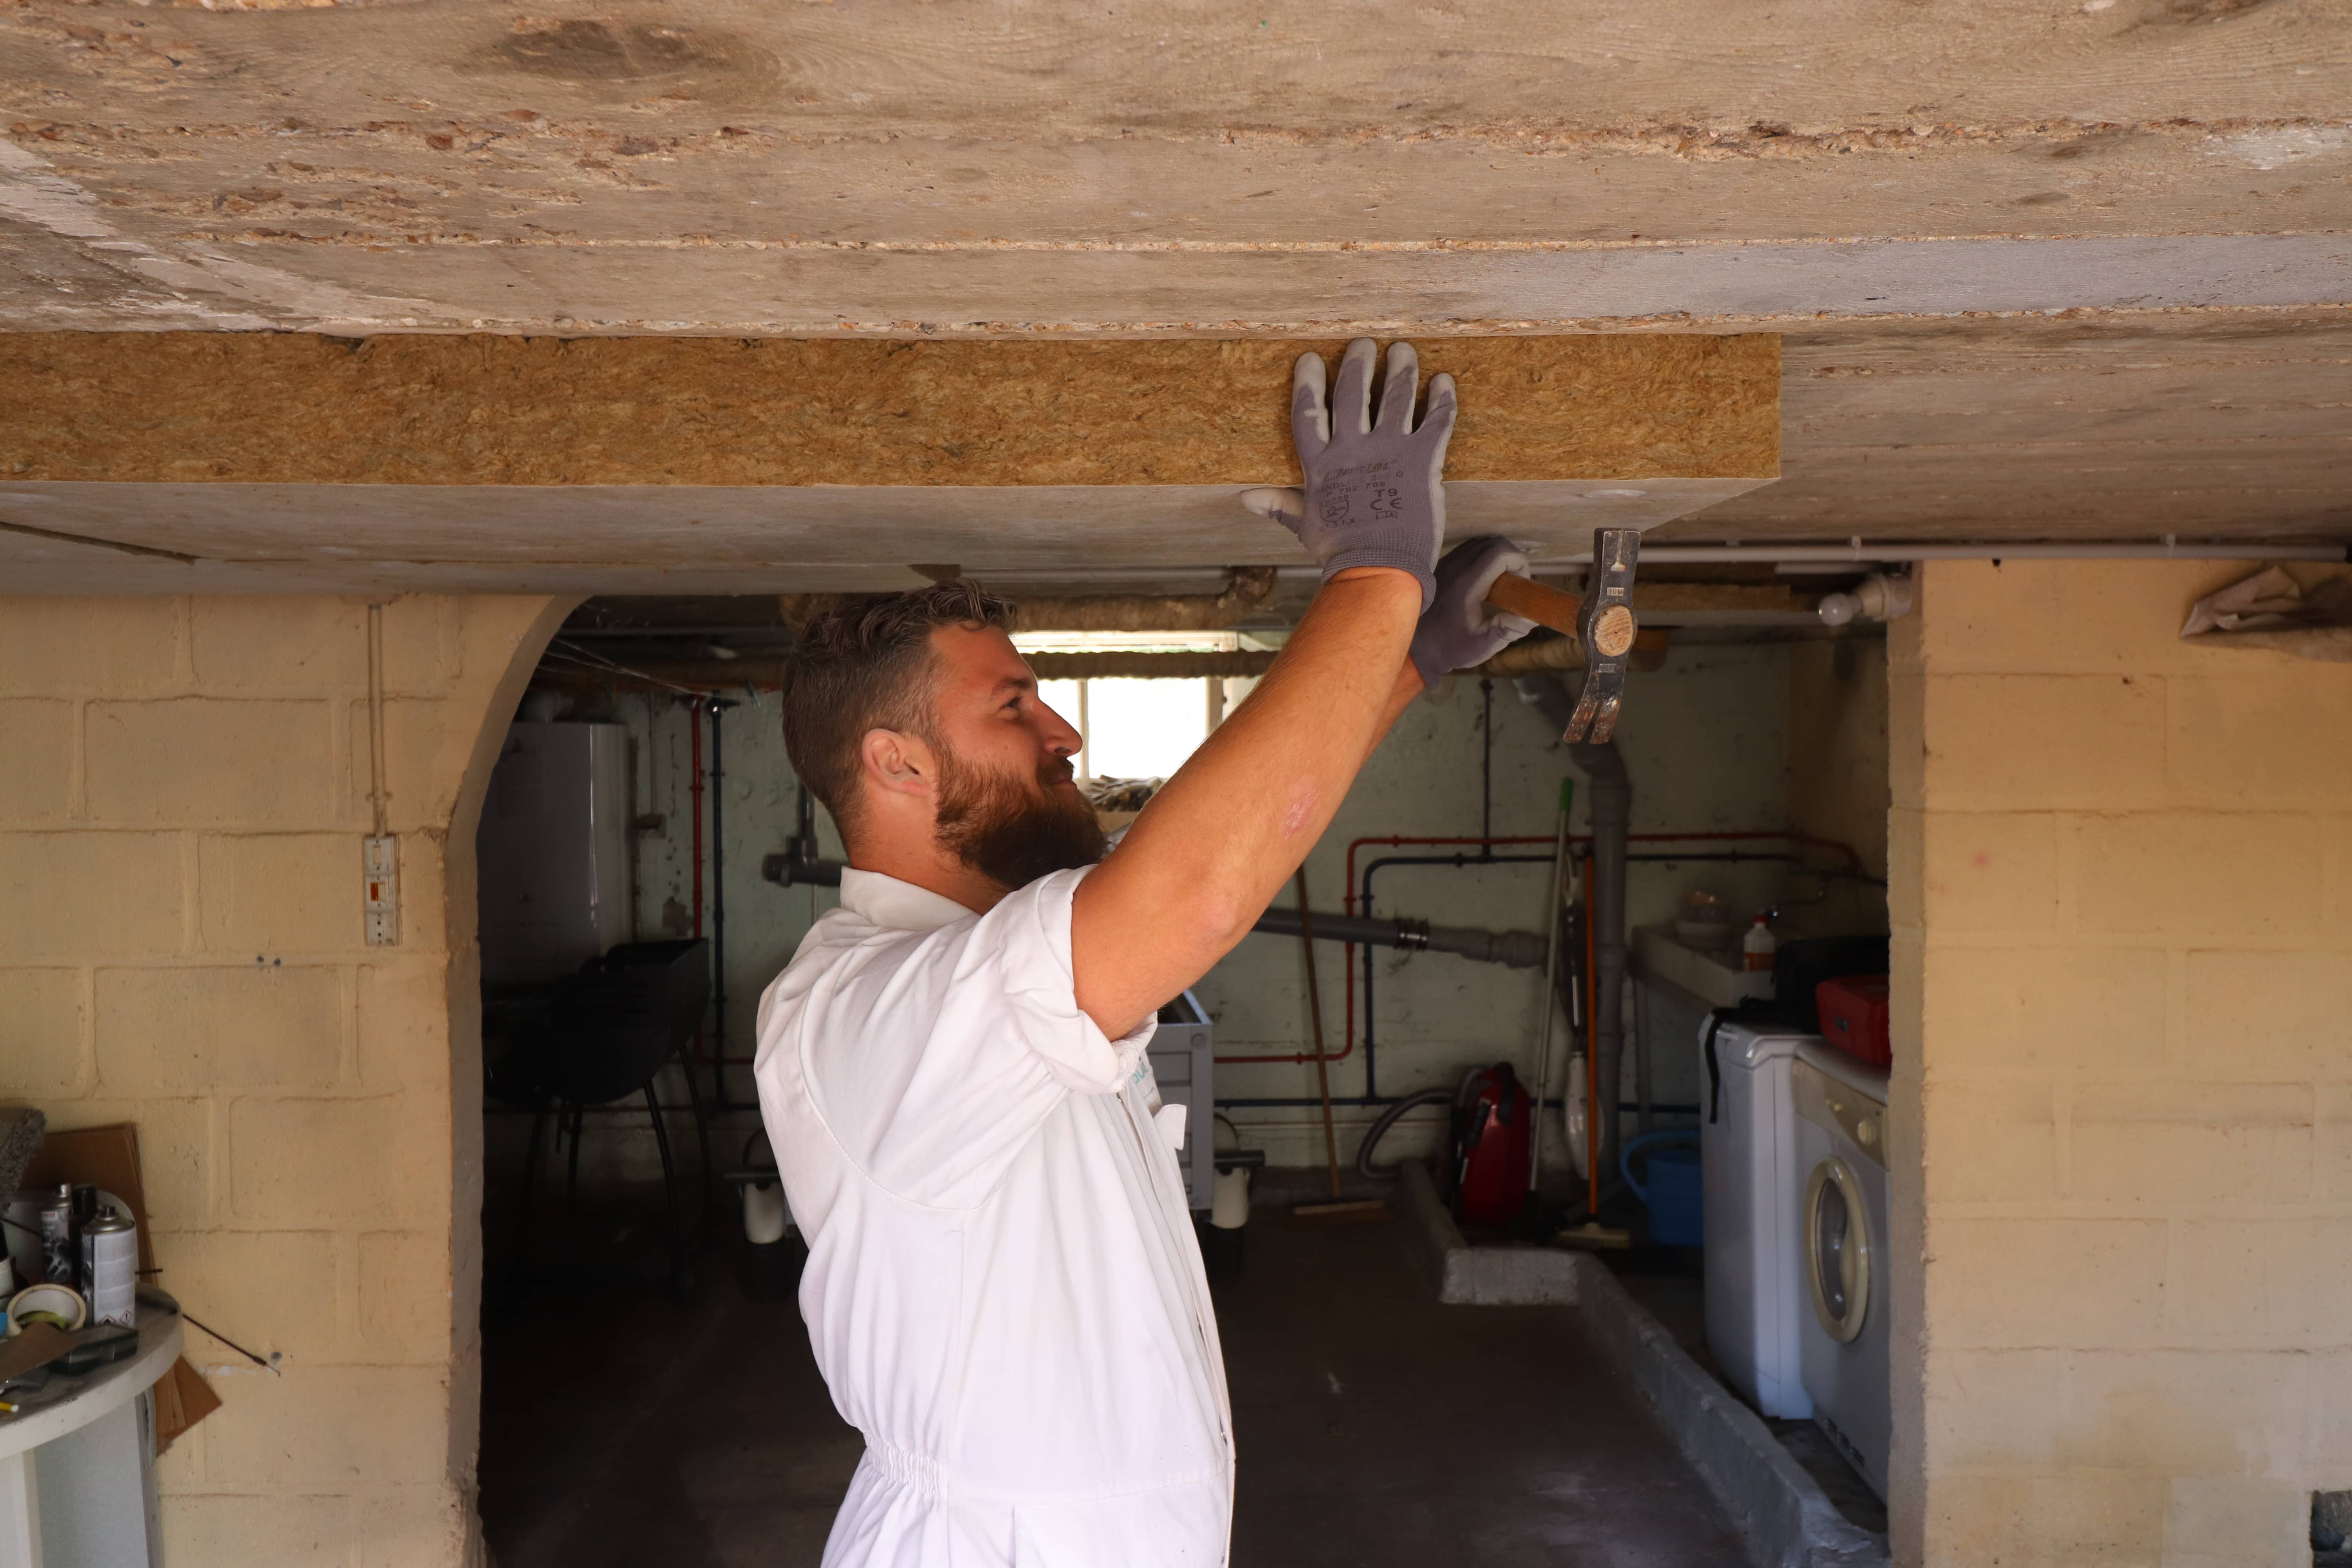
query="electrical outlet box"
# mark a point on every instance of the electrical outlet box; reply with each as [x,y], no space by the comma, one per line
[379,864]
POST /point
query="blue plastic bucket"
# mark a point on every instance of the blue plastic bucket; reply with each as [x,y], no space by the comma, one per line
[1672,1194]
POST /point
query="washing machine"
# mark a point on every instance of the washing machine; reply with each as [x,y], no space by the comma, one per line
[1748,1162]
[1840,1111]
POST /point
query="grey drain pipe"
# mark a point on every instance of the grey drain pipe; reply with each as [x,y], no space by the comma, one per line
[1518,949]
[1613,822]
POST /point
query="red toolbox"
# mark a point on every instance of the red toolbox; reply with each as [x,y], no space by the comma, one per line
[1854,1016]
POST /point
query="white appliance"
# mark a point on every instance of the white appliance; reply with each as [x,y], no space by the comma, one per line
[1841,1108]
[1747,1161]
[553,852]
[1183,1064]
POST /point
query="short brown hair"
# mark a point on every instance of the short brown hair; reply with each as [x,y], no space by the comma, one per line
[867,666]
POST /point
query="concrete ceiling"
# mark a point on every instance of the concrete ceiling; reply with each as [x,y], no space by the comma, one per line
[2047,268]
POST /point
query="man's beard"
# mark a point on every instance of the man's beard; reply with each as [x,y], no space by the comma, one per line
[1011,832]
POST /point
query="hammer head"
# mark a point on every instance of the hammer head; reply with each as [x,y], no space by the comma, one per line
[1606,626]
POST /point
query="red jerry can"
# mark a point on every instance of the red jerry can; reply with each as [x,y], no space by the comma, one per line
[1492,1122]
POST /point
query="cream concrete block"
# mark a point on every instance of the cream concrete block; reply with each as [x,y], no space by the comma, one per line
[274,894]
[2082,1520]
[277,1288]
[424,638]
[2046,739]
[1907,870]
[41,1052]
[1906,733]
[276,1527]
[343,1162]
[405,1309]
[423,892]
[331,1426]
[1994,1408]
[2236,1522]
[2269,1015]
[120,646]
[247,645]
[426,748]
[415,1524]
[202,759]
[180,1468]
[2230,1412]
[1988,1143]
[2147,1142]
[2078,616]
[2266,1278]
[2189,874]
[90,894]
[2338,834]
[1992,871]
[412,1525]
[404,1025]
[2334,1142]
[2329,1465]
[2266,737]
[2042,1009]
[198,1030]
[176,1159]
[37,758]
[2044,1283]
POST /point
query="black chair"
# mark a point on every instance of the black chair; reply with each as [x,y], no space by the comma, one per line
[600,1035]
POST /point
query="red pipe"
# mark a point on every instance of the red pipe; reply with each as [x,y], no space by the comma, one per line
[1348,956]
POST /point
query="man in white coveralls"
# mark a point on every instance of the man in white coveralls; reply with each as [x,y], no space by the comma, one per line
[1004,1290]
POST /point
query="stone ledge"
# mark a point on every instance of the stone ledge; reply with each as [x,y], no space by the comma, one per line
[1477,1276]
[1783,1516]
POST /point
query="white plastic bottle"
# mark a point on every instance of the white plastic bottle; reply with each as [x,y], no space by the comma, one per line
[1758,945]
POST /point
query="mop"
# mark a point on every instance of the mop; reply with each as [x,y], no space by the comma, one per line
[1591,1236]
[1532,1218]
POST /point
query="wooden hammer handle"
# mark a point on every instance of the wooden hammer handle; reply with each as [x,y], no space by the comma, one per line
[1546,606]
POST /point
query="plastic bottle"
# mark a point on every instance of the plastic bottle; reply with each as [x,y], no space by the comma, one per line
[1758,945]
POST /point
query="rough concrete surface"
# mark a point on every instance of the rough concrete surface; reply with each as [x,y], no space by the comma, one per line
[989,165]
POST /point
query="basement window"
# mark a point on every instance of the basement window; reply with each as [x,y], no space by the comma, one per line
[1136,728]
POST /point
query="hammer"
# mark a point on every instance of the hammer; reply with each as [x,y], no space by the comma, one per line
[1603,621]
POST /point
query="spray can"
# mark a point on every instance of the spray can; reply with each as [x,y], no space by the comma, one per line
[110,1269]
[58,1257]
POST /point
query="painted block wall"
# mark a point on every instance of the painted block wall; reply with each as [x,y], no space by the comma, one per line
[1705,740]
[184,789]
[2123,919]
[1838,784]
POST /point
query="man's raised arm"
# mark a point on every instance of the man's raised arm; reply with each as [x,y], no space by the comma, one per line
[1202,862]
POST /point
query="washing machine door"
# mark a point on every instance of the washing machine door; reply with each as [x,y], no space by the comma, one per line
[1836,1238]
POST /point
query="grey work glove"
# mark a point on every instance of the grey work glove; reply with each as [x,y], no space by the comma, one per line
[1458,630]
[1374,495]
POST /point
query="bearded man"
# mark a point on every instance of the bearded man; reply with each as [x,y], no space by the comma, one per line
[1003,1290]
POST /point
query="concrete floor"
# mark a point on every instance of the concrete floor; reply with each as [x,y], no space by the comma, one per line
[1375,1426]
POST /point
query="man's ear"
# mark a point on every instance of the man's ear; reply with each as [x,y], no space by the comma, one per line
[897,764]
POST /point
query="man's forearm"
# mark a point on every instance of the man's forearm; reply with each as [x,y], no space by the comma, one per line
[1229,829]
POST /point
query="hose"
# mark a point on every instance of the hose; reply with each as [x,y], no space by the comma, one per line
[1389,1118]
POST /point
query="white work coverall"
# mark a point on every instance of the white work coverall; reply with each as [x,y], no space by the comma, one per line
[1003,1290]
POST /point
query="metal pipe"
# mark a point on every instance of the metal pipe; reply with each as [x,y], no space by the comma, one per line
[377,796]
[695,793]
[1856,550]
[1517,949]
[1852,549]
[718,705]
